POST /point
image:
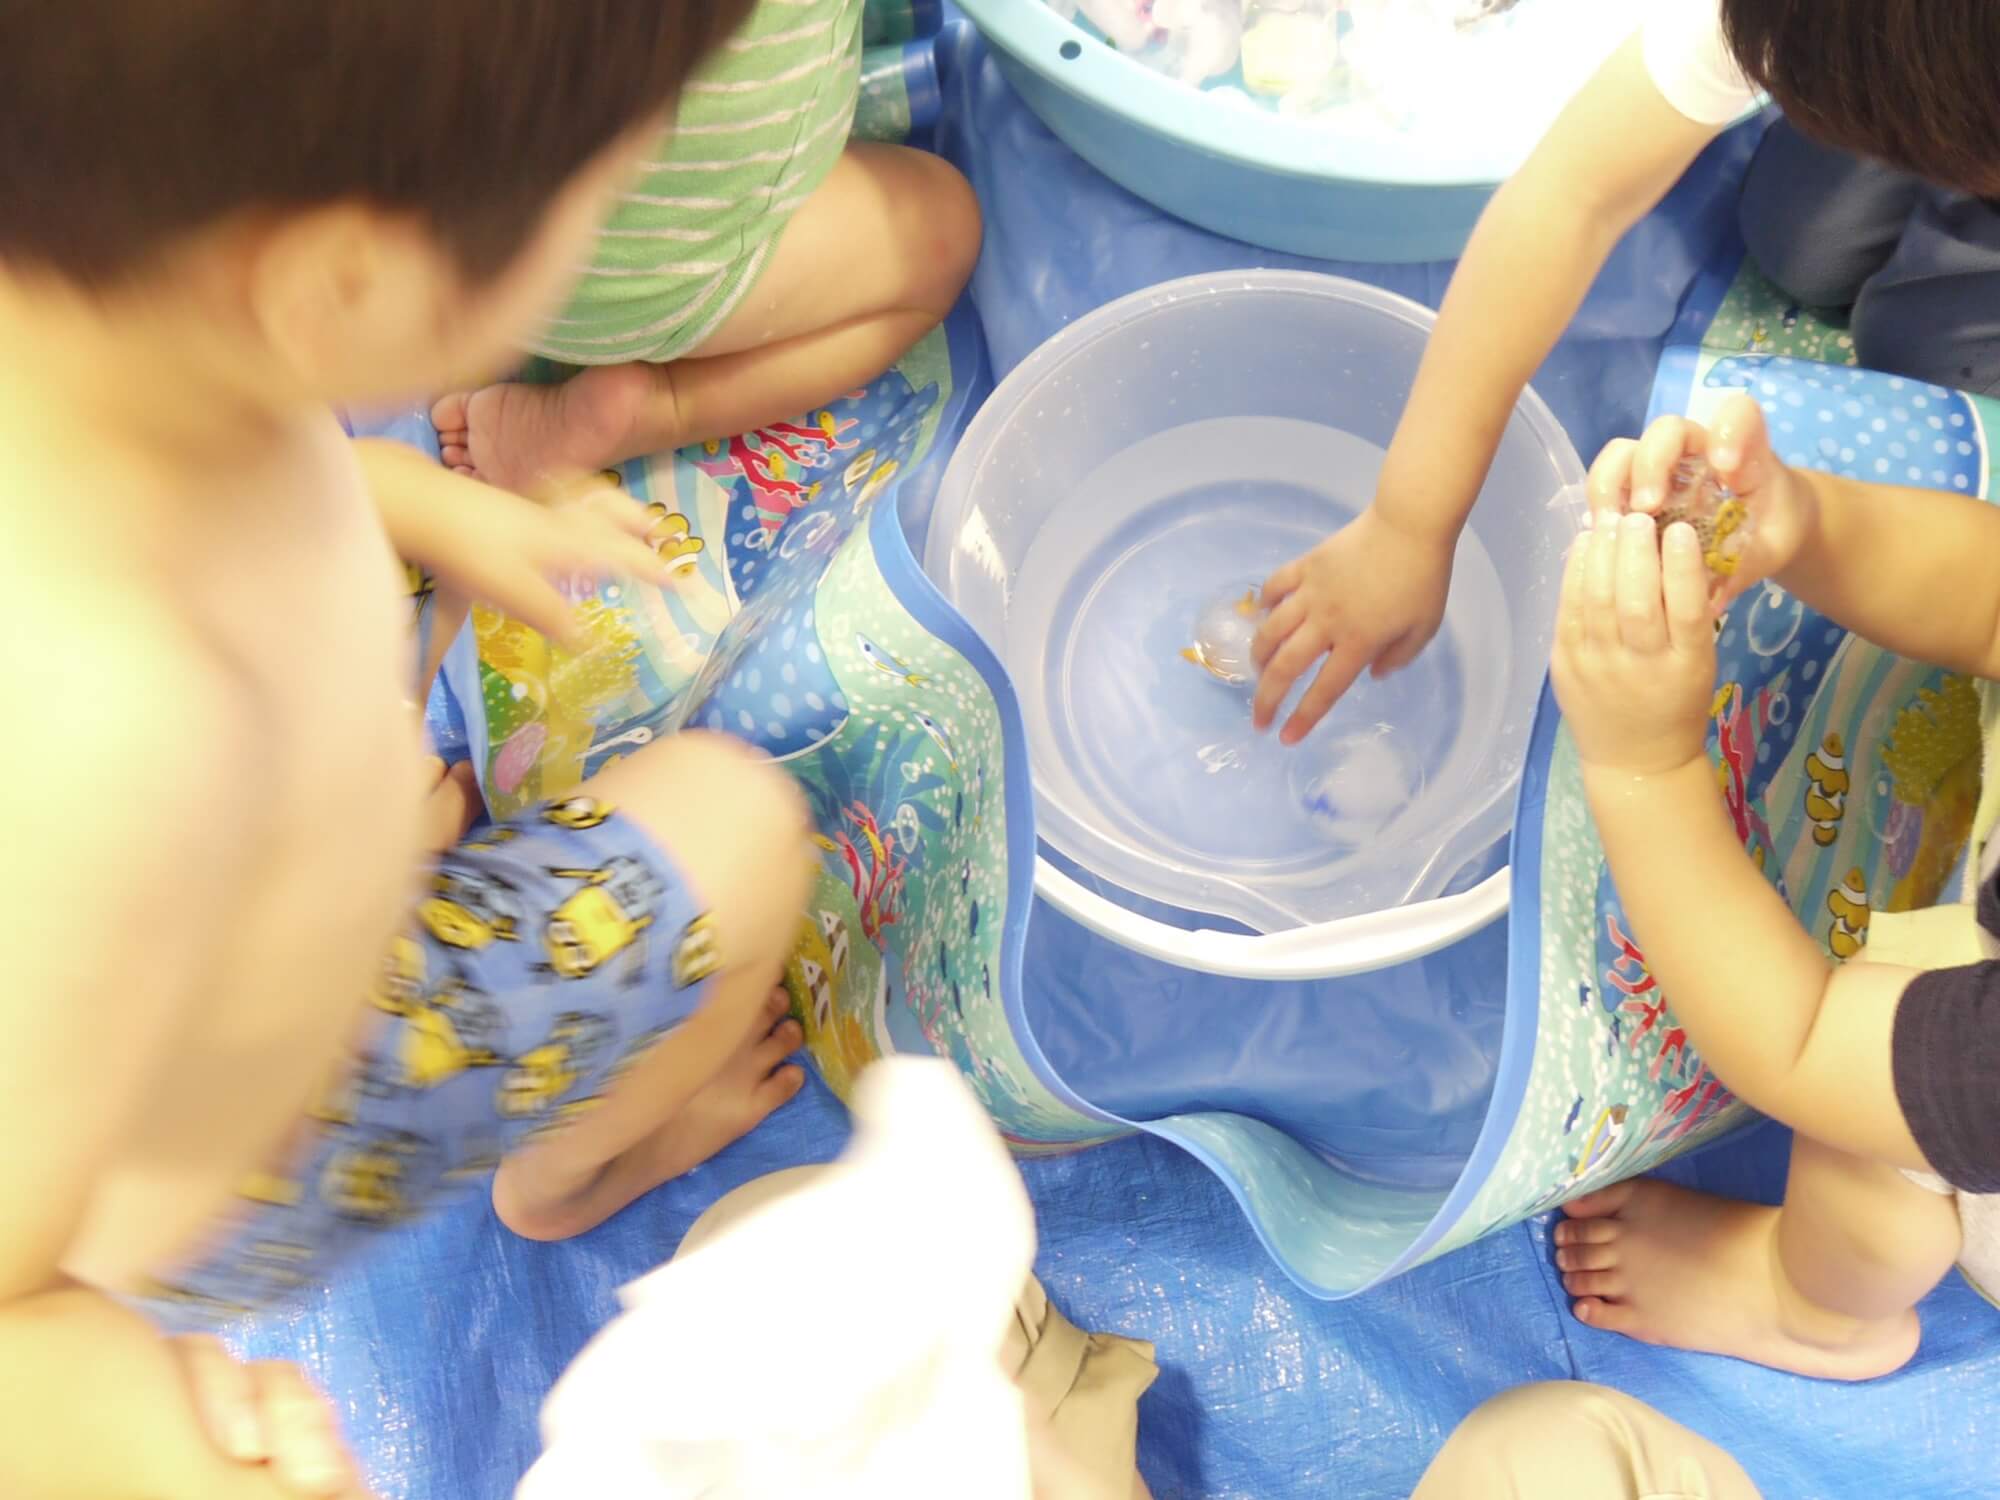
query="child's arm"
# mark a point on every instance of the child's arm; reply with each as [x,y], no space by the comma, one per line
[1803,1041]
[1373,594]
[493,546]
[1911,570]
[122,797]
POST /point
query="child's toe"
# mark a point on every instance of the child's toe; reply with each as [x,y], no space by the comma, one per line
[1594,1283]
[1599,1205]
[785,1039]
[448,412]
[781,1087]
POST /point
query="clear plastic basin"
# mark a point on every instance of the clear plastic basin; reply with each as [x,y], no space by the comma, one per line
[1183,442]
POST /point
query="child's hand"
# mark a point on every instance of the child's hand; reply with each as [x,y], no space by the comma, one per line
[1369,596]
[492,545]
[268,1414]
[1634,661]
[1634,476]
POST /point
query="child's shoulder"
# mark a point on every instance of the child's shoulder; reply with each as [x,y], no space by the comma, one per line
[117,701]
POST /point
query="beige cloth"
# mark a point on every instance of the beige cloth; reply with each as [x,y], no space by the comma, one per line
[1569,1441]
[1081,1389]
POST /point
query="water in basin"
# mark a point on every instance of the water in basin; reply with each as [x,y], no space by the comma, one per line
[1161,756]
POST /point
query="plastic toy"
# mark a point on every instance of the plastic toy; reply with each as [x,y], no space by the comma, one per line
[1222,635]
[1291,48]
[1203,38]
[1719,518]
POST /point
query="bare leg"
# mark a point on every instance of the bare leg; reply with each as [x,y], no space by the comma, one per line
[454,805]
[1824,1286]
[737,828]
[870,264]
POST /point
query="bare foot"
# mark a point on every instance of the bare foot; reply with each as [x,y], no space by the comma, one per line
[1664,1265]
[751,1085]
[523,436]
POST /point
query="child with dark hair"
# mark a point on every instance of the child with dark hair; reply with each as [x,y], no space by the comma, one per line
[761,265]
[255,1020]
[1872,192]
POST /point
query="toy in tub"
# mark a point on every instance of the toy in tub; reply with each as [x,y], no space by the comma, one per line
[1356,130]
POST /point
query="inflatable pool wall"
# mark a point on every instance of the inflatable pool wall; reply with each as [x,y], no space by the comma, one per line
[803,625]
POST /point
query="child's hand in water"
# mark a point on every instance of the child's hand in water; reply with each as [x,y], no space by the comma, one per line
[268,1415]
[1634,662]
[496,547]
[1370,596]
[1779,506]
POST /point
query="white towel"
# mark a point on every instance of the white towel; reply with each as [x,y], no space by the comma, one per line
[840,1343]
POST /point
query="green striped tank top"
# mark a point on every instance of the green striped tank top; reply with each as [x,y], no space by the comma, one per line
[758,130]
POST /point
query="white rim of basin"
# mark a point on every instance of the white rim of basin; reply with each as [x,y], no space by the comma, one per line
[1359,944]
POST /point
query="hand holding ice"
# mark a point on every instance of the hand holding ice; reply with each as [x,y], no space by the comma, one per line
[1720,519]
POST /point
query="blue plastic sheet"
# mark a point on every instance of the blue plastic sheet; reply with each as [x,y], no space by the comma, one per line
[440,1350]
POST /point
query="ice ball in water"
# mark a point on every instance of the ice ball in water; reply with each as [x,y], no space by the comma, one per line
[1352,787]
[1223,632]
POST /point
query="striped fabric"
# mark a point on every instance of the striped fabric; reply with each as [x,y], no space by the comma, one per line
[759,129]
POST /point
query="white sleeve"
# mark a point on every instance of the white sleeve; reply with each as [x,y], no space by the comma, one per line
[1690,63]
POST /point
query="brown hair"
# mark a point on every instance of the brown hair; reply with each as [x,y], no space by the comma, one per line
[1907,82]
[127,124]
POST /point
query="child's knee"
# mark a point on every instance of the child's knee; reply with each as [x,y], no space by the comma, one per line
[953,229]
[1559,1437]
[775,864]
[735,825]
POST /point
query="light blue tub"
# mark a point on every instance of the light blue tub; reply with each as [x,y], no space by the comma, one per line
[1278,183]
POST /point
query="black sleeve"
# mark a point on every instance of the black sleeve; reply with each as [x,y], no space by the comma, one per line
[1946,1058]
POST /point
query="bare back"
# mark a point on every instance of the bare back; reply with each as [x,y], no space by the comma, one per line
[219,820]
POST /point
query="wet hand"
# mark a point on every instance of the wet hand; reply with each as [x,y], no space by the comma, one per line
[268,1415]
[1368,598]
[1635,476]
[526,560]
[1634,663]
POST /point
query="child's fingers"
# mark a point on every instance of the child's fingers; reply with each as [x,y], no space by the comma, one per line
[1684,585]
[603,534]
[1287,664]
[1600,584]
[1642,623]
[1609,485]
[609,552]
[1665,444]
[225,1396]
[1343,664]
[299,1431]
[1741,448]
[1280,585]
[623,511]
[523,592]
[1572,611]
[1277,628]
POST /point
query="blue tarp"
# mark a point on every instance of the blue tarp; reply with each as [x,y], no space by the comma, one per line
[440,1351]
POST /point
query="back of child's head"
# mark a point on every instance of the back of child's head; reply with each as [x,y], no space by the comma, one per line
[127,126]
[1907,82]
